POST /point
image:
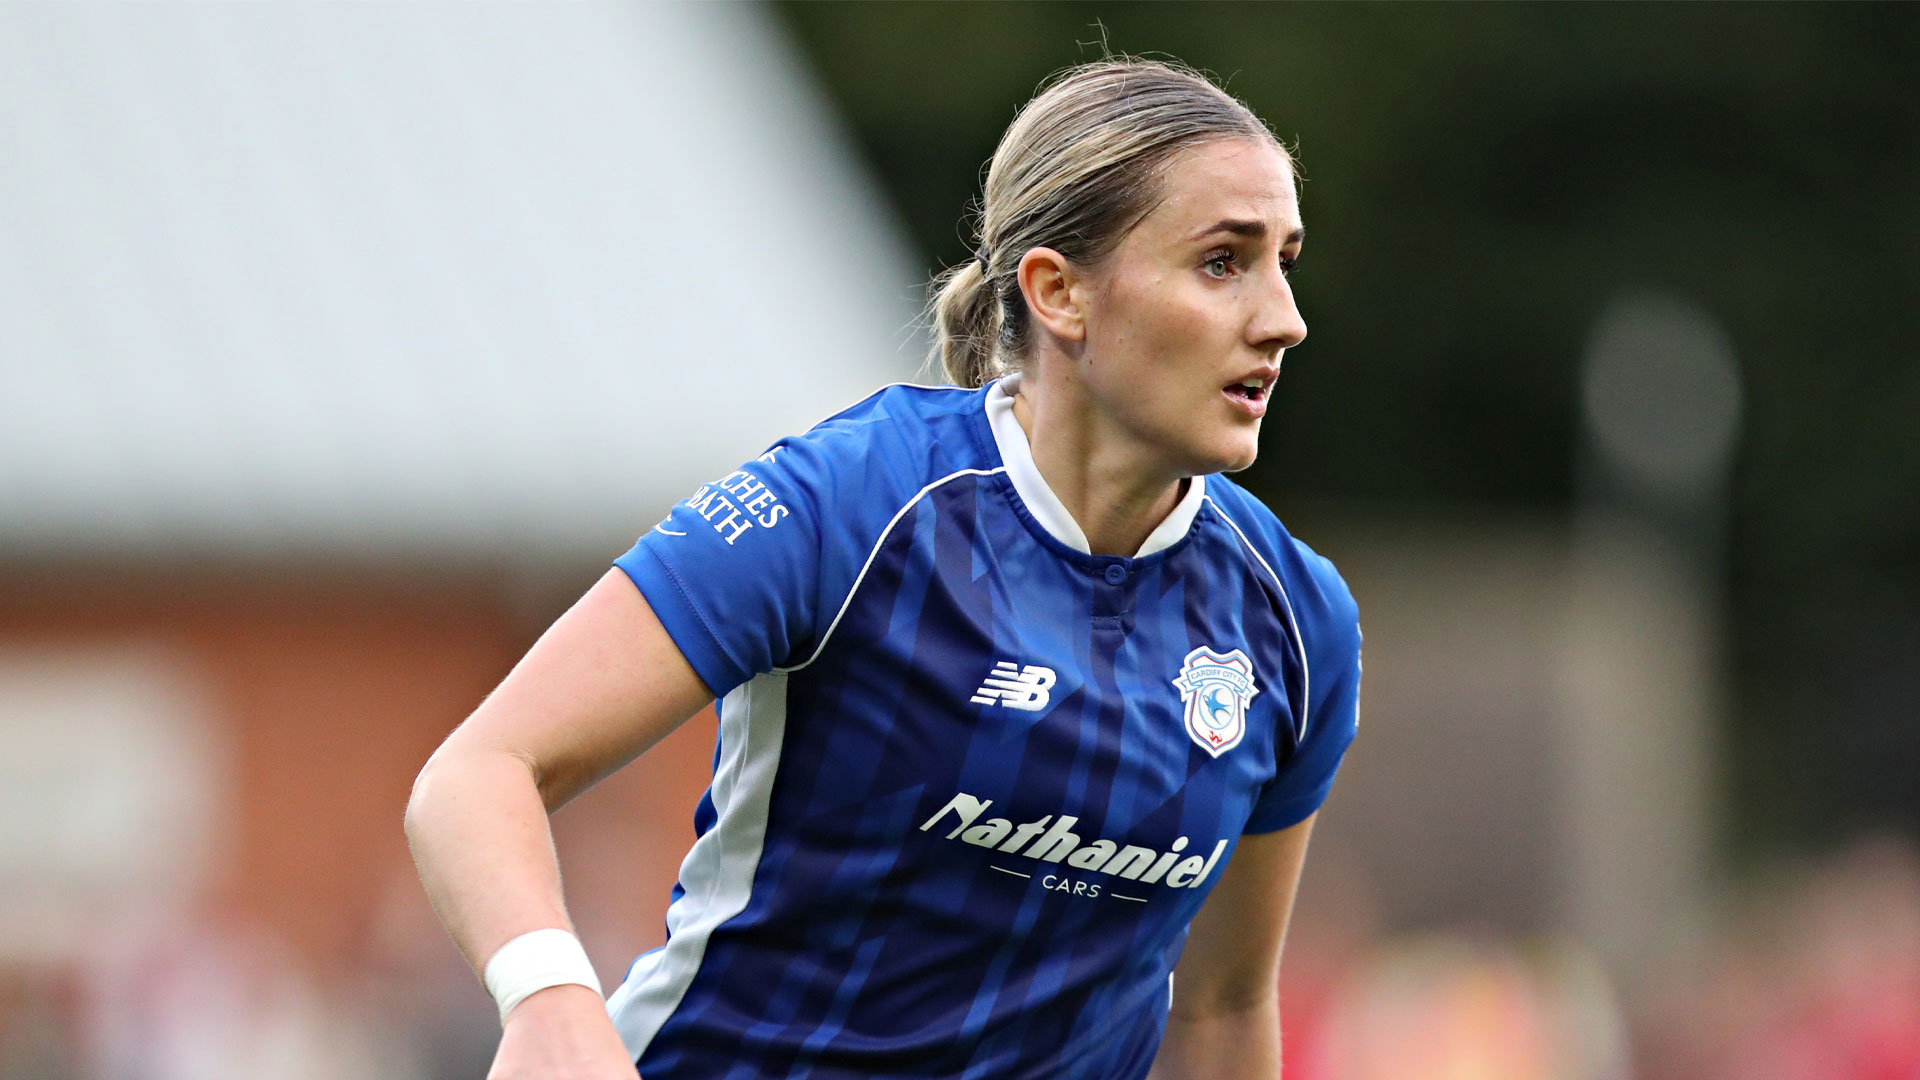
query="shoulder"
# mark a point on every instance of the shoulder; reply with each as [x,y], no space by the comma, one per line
[893,441]
[1321,602]
[848,477]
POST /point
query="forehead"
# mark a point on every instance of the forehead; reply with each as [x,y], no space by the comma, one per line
[1244,179]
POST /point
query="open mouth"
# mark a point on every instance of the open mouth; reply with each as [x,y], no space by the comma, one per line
[1249,389]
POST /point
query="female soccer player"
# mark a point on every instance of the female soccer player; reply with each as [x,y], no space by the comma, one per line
[1025,710]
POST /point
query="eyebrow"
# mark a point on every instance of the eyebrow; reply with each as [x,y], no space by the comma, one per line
[1249,227]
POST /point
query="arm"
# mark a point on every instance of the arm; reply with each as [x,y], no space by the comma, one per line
[1225,1019]
[603,684]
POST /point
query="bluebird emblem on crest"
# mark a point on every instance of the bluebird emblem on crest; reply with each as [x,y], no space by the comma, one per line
[1217,688]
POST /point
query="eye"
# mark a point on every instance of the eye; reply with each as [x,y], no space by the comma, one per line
[1287,264]
[1218,264]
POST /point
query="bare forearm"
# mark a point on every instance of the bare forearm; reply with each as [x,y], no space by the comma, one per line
[481,841]
[477,824]
[1242,1043]
[603,684]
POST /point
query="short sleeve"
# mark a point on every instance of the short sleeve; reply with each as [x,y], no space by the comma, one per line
[732,572]
[1333,711]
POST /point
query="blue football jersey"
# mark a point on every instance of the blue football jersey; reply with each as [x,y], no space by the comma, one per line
[972,781]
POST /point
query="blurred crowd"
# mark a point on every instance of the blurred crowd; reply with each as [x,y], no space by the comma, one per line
[305,299]
[1809,973]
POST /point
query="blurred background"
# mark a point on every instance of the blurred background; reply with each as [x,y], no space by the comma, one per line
[341,346]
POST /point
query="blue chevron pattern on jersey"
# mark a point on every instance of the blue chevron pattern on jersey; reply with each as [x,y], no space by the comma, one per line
[972,781]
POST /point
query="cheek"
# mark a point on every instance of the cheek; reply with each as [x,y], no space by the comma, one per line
[1158,369]
[1160,326]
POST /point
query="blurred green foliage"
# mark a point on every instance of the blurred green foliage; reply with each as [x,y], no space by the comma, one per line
[1481,181]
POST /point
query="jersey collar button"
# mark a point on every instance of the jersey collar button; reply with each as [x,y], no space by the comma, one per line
[1116,573]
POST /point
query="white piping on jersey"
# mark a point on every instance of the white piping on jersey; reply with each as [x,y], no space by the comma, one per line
[873,554]
[1299,643]
[1017,454]
[877,393]
[717,875]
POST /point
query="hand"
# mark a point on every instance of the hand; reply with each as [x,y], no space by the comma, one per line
[561,1033]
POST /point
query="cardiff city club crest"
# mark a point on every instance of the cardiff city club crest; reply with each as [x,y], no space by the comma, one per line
[1217,688]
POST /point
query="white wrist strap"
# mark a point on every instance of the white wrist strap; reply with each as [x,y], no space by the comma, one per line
[534,961]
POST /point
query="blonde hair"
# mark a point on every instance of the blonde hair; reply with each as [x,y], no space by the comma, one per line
[1076,170]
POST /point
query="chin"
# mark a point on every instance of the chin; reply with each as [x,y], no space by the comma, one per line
[1226,457]
[1238,463]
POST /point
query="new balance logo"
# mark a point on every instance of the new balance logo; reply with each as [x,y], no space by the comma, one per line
[1016,687]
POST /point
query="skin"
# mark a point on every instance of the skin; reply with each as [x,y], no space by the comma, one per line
[1125,395]
[1124,400]
[600,687]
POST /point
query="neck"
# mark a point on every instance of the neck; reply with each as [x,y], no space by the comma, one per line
[1114,488]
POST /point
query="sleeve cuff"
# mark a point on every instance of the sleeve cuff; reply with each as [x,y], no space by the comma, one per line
[684,622]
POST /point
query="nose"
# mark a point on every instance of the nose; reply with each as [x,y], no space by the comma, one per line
[1277,324]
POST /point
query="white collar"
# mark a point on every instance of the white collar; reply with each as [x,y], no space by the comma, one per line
[1017,455]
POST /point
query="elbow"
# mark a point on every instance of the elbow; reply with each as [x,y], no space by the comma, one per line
[430,789]
[419,800]
[1249,987]
[461,779]
[1254,999]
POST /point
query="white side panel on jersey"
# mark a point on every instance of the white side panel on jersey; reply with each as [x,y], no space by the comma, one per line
[717,875]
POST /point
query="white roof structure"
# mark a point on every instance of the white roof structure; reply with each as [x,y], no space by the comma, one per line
[356,278]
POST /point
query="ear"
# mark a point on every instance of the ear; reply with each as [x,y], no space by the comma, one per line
[1054,292]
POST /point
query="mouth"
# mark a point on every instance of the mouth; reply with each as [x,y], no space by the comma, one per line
[1254,389]
[1249,394]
